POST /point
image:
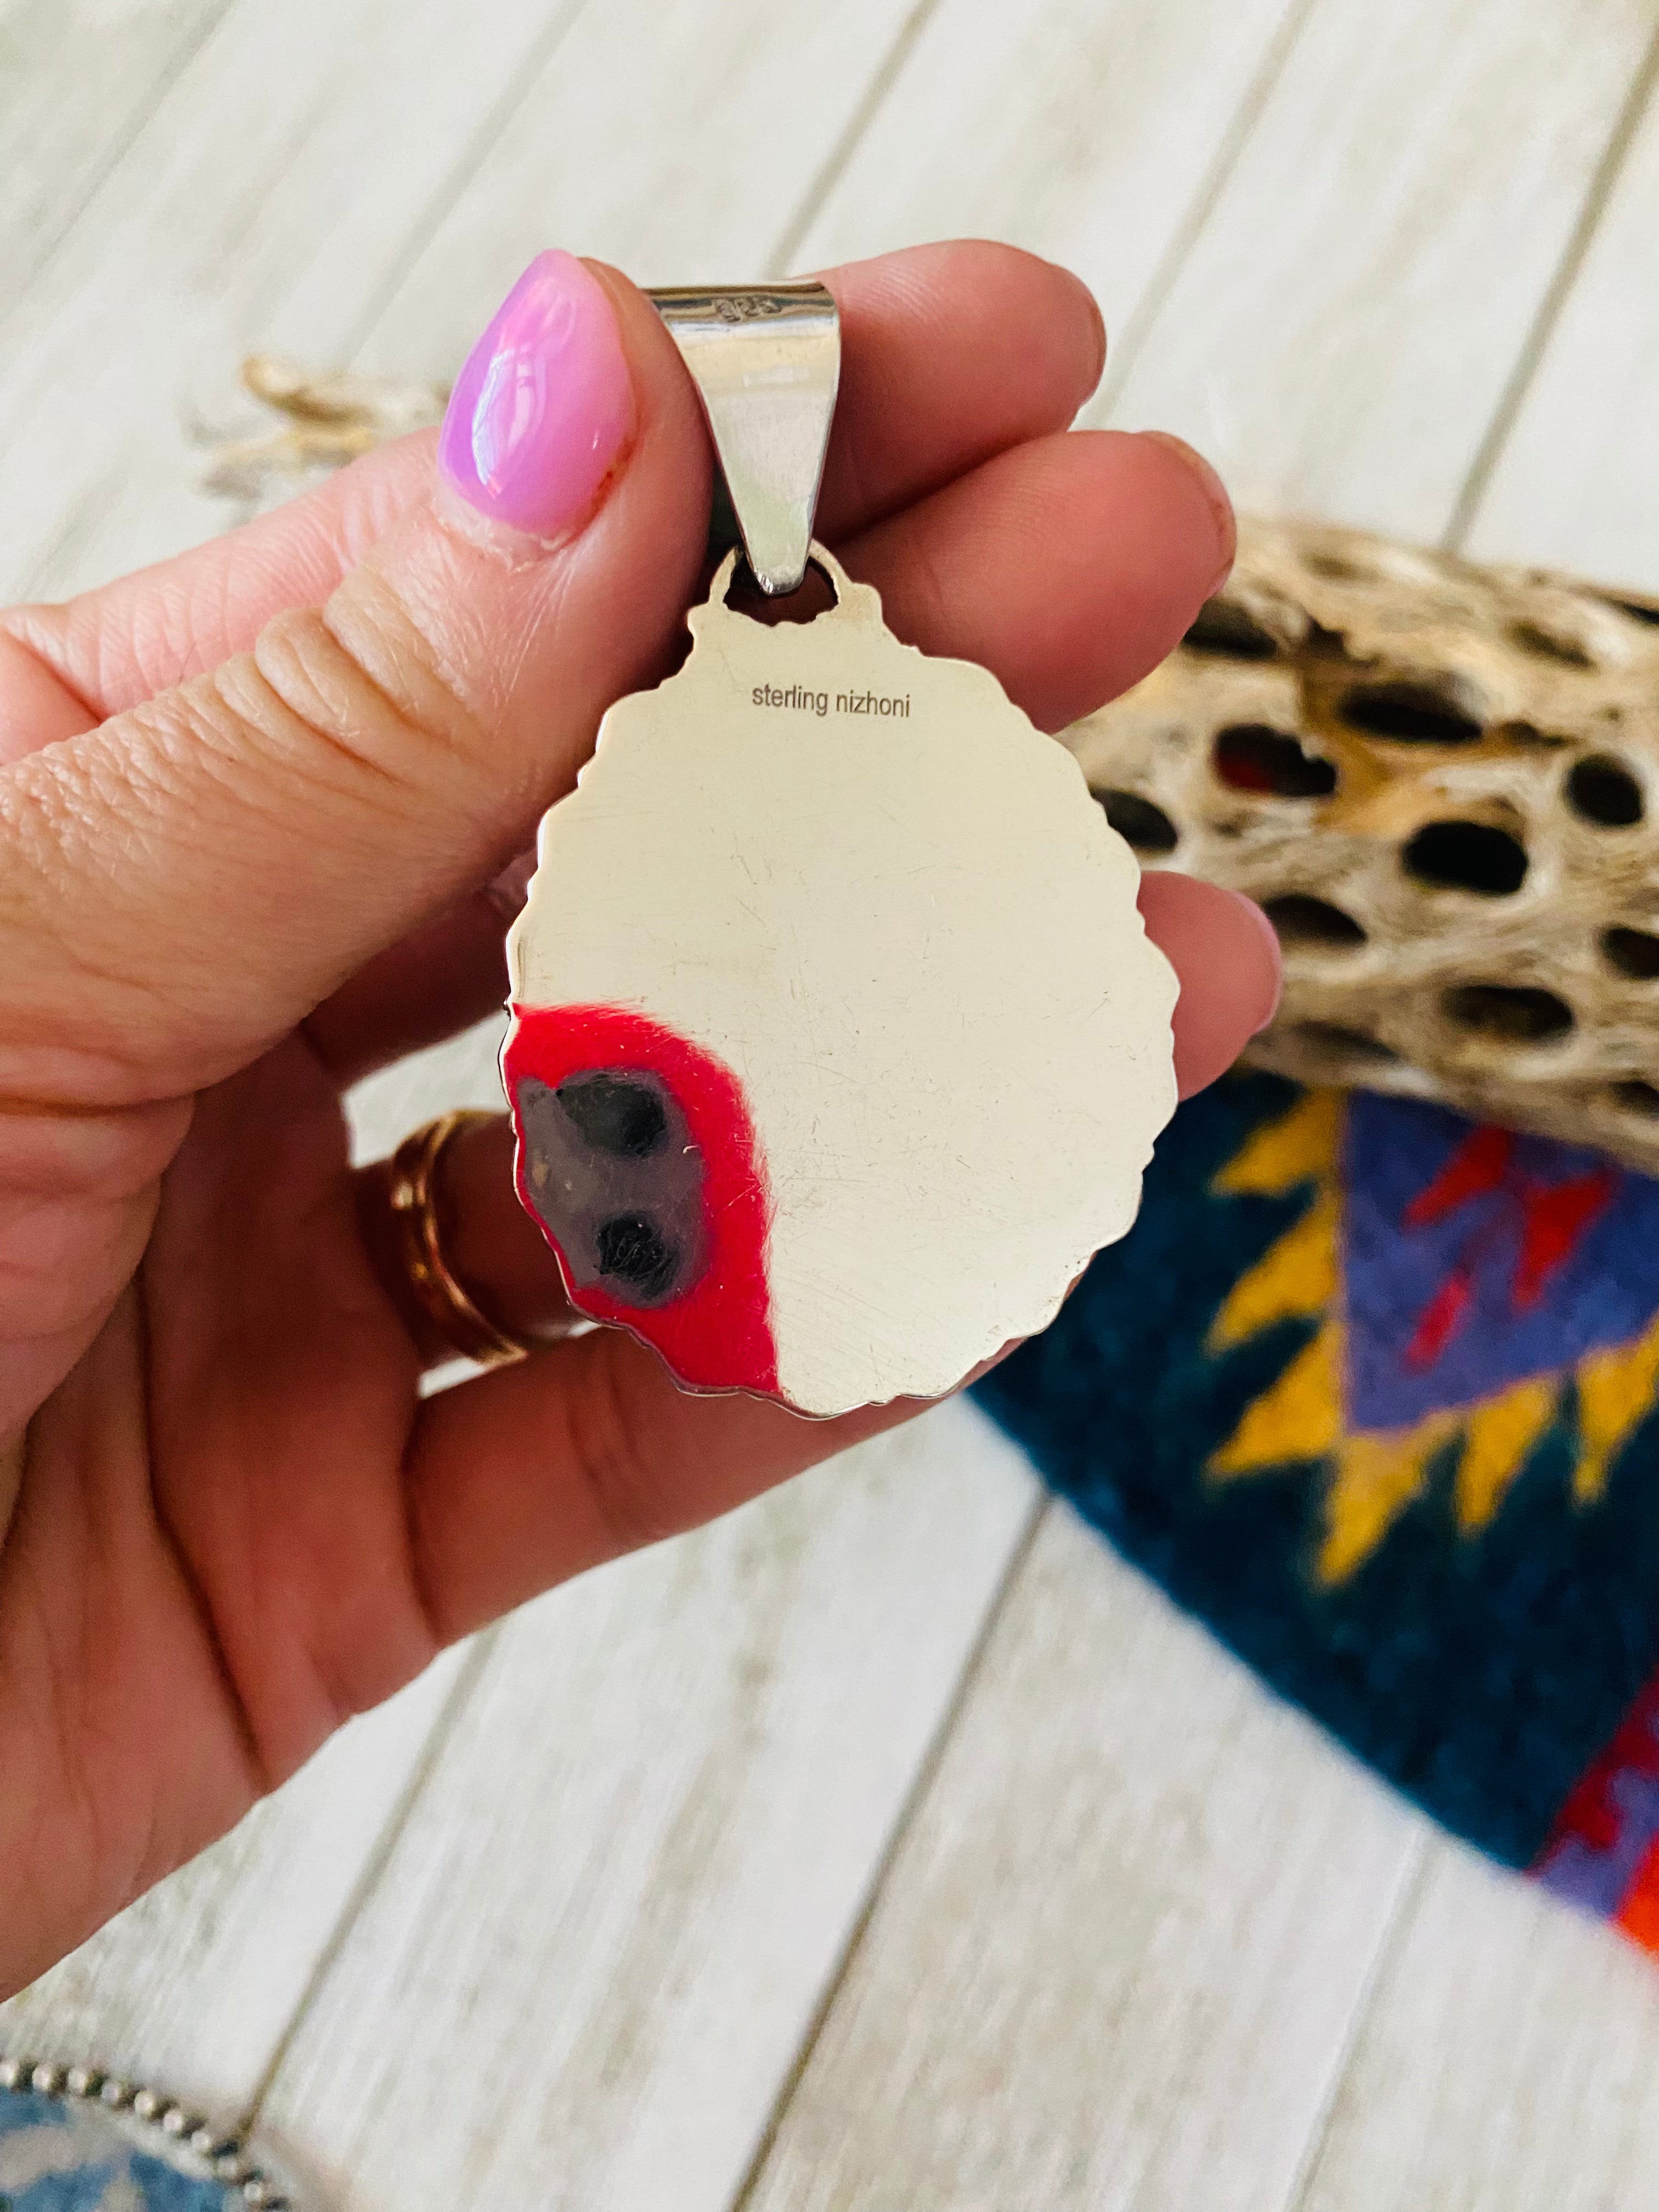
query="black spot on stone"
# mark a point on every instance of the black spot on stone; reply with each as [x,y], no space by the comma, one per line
[632,1250]
[616,1114]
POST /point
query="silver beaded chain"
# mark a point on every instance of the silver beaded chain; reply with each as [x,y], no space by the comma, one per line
[220,2158]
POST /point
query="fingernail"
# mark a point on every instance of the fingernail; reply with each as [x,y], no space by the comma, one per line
[1097,320]
[1215,493]
[1273,974]
[543,404]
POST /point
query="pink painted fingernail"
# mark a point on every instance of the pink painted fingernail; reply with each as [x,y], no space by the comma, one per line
[544,403]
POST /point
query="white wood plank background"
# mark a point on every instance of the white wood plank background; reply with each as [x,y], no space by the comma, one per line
[1109,1968]
[680,1776]
[1344,324]
[1577,482]
[1088,130]
[78,79]
[855,1854]
[197,1984]
[1510,2057]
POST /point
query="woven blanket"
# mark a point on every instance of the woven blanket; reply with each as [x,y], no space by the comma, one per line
[1370,1389]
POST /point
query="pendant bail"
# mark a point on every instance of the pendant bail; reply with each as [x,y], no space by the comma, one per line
[766,361]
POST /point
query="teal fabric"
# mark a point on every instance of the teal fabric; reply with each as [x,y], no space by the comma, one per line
[1482,1671]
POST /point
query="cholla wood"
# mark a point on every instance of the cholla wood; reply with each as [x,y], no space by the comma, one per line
[325,418]
[1442,782]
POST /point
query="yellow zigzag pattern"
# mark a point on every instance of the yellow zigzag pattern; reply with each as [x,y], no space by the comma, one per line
[1376,1474]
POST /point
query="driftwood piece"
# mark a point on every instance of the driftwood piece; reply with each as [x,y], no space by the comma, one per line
[1442,781]
[324,418]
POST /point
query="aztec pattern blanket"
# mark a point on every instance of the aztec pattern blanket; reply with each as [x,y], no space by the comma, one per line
[1372,1391]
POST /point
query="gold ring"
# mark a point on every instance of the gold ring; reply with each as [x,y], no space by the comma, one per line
[417,1214]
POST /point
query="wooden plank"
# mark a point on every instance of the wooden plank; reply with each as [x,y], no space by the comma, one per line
[1344,327]
[1122,1938]
[1510,2063]
[1576,485]
[256,177]
[193,1988]
[587,1965]
[237,222]
[675,142]
[77,77]
[1085,130]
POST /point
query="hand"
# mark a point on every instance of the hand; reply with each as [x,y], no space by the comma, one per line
[248,804]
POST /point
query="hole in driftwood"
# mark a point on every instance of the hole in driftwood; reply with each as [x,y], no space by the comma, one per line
[1603,790]
[1253,757]
[1301,918]
[1411,713]
[1334,1041]
[1632,952]
[1634,1095]
[1140,822]
[1222,628]
[1545,644]
[1514,1013]
[1467,856]
[1641,610]
[1529,733]
[1336,568]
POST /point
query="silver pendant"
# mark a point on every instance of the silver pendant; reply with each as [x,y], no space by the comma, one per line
[72,2135]
[837,1045]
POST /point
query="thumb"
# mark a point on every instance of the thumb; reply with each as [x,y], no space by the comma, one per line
[182,884]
